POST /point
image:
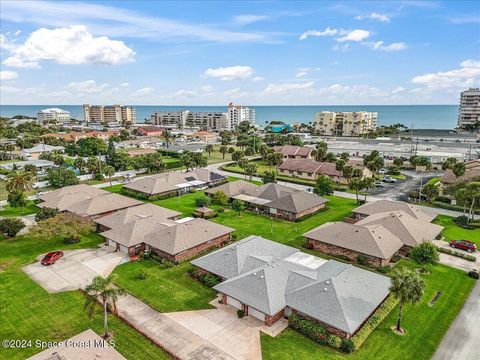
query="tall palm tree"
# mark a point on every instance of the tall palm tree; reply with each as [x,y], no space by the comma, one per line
[21,181]
[104,290]
[167,136]
[209,149]
[109,171]
[407,286]
[223,150]
[368,184]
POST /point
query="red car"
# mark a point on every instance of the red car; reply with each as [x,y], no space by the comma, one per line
[464,245]
[51,257]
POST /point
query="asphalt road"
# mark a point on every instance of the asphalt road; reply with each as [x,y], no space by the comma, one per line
[462,339]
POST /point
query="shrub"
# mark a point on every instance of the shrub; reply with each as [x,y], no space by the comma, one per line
[209,279]
[362,260]
[72,238]
[383,269]
[347,346]
[203,201]
[45,213]
[60,226]
[17,199]
[443,199]
[11,226]
[234,236]
[457,254]
[334,341]
[424,254]
[240,314]
[142,275]
[396,258]
[393,170]
[61,177]
[220,198]
[373,321]
[343,257]
[474,274]
[308,328]
[221,210]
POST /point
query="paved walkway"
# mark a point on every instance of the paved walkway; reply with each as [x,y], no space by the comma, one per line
[455,261]
[462,339]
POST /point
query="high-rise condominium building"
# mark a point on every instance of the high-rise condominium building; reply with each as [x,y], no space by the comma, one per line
[53,115]
[239,113]
[206,120]
[114,115]
[469,107]
[345,123]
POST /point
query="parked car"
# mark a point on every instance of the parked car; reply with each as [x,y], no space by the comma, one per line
[382,171]
[389,179]
[379,184]
[52,257]
[463,245]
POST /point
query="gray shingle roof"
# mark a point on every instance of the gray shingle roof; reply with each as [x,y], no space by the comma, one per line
[381,206]
[232,188]
[297,202]
[264,275]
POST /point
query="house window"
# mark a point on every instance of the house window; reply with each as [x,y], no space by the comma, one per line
[300,172]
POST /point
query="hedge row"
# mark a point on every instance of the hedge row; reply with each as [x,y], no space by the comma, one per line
[146,197]
[457,254]
[451,207]
[314,331]
[373,321]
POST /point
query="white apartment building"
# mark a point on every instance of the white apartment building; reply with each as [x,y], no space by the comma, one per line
[355,123]
[53,115]
[239,113]
[112,116]
[469,107]
[205,120]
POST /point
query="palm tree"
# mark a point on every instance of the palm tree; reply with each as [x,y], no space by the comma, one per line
[21,181]
[109,171]
[357,185]
[209,149]
[368,183]
[223,149]
[102,289]
[407,286]
[167,135]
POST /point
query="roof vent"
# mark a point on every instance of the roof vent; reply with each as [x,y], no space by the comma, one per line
[254,274]
[226,253]
[261,276]
[328,281]
[325,289]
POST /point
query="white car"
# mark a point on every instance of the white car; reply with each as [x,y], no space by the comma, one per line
[389,179]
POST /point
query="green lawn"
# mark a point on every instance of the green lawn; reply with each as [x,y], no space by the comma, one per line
[425,326]
[29,312]
[217,157]
[3,190]
[166,290]
[286,232]
[433,181]
[9,211]
[454,232]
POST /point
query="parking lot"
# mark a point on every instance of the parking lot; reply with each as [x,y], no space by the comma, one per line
[76,269]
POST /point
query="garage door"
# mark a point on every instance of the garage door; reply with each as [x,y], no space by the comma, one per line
[233,302]
[112,243]
[256,314]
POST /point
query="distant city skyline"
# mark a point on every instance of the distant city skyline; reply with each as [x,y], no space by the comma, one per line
[252,53]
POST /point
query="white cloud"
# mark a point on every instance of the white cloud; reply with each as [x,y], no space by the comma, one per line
[379,45]
[326,32]
[144,91]
[398,90]
[87,87]
[125,84]
[301,74]
[236,93]
[184,93]
[73,45]
[375,16]
[467,75]
[257,78]
[8,75]
[249,19]
[207,89]
[354,35]
[121,22]
[230,72]
[286,88]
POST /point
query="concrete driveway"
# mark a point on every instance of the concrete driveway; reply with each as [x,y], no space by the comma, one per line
[455,261]
[76,269]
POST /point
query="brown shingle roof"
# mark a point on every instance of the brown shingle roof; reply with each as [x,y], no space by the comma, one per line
[374,240]
[232,188]
[310,166]
[382,206]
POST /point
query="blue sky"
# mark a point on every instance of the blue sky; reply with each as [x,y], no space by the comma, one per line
[257,53]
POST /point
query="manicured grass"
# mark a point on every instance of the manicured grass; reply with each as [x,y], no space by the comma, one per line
[452,231]
[9,211]
[250,223]
[399,177]
[217,157]
[262,167]
[425,326]
[433,181]
[114,188]
[166,290]
[29,312]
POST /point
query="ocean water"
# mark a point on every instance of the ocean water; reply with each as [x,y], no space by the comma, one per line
[420,116]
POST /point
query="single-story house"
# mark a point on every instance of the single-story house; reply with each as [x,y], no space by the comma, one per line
[173,240]
[74,136]
[269,281]
[373,242]
[89,346]
[205,136]
[140,151]
[134,213]
[311,169]
[35,152]
[273,199]
[175,183]
[149,130]
[382,206]
[144,143]
[40,165]
[86,201]
[472,171]
[294,152]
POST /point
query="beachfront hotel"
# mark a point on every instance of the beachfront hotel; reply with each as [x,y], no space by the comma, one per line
[345,123]
[53,115]
[112,116]
[469,107]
